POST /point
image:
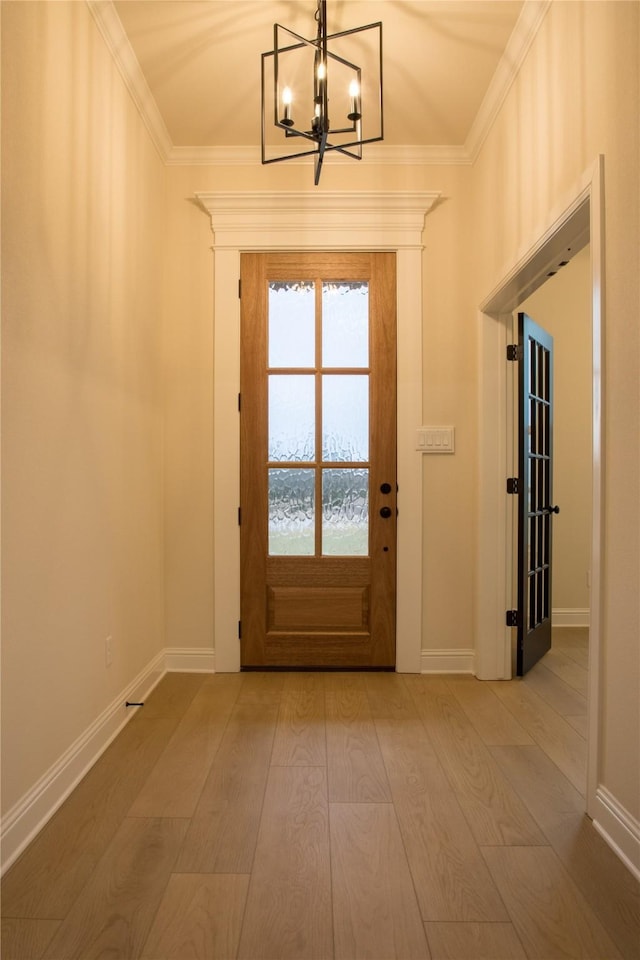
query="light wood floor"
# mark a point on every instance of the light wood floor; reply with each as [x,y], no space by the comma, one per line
[306,815]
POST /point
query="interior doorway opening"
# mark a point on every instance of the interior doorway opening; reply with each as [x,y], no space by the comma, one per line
[580,222]
[562,307]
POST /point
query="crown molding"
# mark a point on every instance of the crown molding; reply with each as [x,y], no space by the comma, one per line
[527,25]
[110,26]
[378,154]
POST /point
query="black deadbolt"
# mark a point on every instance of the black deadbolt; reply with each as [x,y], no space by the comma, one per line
[385,488]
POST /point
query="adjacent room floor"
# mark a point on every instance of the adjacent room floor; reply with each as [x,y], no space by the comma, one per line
[321,815]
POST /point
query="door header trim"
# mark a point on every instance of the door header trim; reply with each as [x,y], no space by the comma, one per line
[333,220]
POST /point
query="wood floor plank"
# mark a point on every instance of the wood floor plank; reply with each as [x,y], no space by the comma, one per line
[200,918]
[375,910]
[114,913]
[474,941]
[388,696]
[355,767]
[172,696]
[580,725]
[564,699]
[175,784]
[493,810]
[573,642]
[567,670]
[224,828]
[450,877]
[494,723]
[259,687]
[608,887]
[26,939]
[579,654]
[288,913]
[550,731]
[248,737]
[48,877]
[550,916]
[300,737]
[553,800]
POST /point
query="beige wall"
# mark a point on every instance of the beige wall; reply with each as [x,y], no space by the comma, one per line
[82,222]
[577,96]
[562,306]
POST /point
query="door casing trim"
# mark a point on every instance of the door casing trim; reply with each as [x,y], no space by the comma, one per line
[260,221]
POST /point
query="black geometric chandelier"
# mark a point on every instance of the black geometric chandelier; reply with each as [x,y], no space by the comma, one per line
[321,95]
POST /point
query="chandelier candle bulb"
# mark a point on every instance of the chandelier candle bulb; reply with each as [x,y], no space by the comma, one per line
[321,73]
[354,95]
[317,115]
[286,100]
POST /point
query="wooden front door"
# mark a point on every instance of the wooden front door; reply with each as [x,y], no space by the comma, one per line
[318,460]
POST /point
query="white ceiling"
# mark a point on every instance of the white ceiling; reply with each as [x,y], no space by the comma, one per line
[200,60]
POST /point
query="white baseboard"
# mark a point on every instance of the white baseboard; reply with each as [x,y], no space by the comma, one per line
[189,659]
[27,817]
[570,617]
[619,828]
[447,661]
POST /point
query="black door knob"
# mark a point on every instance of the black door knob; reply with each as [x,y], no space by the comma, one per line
[553,509]
[385,512]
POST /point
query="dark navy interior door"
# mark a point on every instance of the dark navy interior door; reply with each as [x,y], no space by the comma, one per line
[536,509]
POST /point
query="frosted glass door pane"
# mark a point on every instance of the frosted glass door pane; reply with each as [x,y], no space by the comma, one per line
[292,416]
[345,324]
[291,512]
[345,418]
[292,310]
[345,513]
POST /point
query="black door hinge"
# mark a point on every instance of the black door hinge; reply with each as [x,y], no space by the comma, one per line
[239,516]
[239,629]
[239,289]
[239,402]
[513,485]
[513,351]
[512,618]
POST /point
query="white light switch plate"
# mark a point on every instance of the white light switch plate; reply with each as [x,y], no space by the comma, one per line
[435,439]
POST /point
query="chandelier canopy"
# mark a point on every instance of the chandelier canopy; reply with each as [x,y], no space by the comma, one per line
[303,80]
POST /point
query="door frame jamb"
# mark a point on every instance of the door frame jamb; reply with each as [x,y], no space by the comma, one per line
[261,221]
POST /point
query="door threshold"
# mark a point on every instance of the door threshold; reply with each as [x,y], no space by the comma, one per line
[267,668]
